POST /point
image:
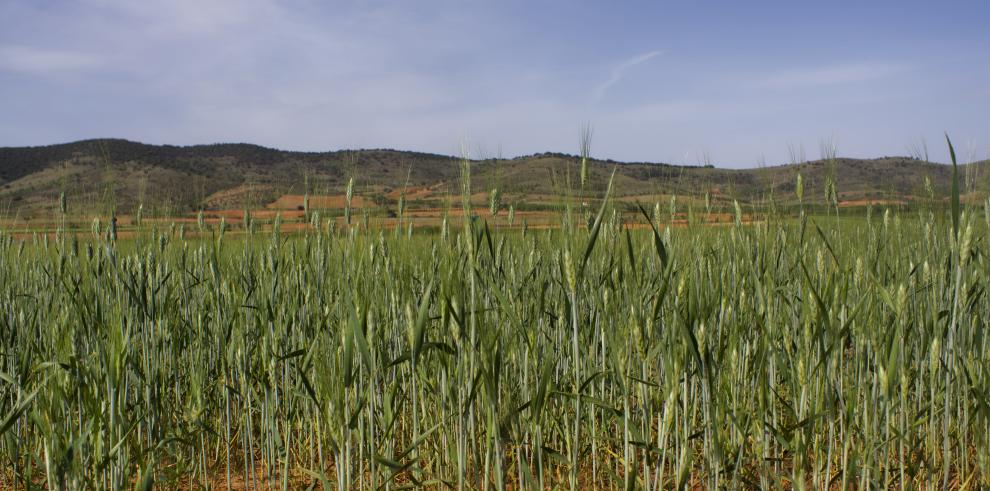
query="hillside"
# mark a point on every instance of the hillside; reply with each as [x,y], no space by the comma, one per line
[173,179]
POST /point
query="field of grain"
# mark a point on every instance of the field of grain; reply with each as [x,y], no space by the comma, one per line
[612,352]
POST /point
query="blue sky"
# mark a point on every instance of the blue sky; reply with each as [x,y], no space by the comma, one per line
[738,82]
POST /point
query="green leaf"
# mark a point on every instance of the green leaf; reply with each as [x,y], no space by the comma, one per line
[421,317]
[657,240]
[631,254]
[17,412]
[147,478]
[596,227]
[362,342]
[319,475]
[420,439]
[348,356]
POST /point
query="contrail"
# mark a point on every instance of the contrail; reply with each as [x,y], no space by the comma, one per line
[620,71]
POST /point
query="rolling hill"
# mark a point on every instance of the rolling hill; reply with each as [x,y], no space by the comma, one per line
[168,179]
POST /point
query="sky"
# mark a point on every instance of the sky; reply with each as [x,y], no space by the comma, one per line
[734,84]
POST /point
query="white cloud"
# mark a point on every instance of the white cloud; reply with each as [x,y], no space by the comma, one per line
[187,16]
[831,75]
[28,59]
[620,71]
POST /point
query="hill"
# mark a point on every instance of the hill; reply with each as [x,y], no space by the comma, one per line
[171,179]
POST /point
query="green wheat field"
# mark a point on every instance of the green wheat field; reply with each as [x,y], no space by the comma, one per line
[786,350]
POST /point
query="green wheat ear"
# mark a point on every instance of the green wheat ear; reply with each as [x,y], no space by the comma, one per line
[956,211]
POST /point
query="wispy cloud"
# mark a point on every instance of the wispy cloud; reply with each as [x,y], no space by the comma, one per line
[831,75]
[27,59]
[619,72]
